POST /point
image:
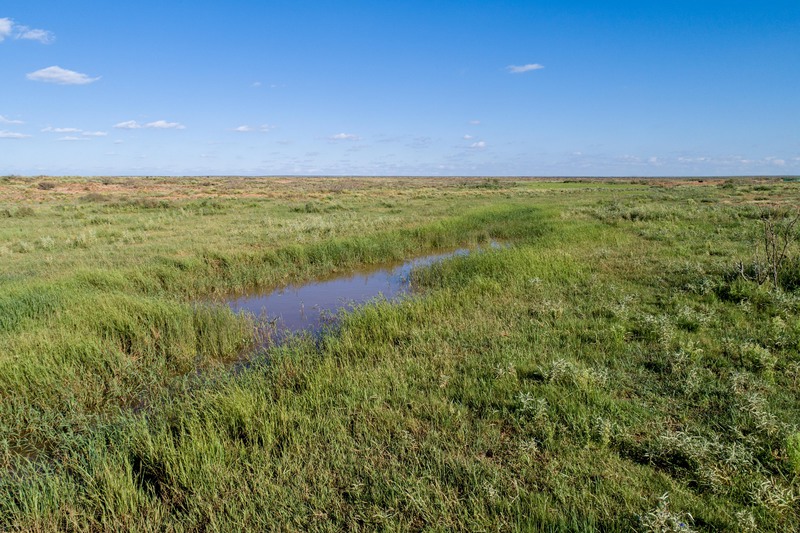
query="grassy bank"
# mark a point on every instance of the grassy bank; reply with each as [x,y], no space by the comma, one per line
[611,370]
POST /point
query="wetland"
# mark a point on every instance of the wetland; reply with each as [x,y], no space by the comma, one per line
[621,366]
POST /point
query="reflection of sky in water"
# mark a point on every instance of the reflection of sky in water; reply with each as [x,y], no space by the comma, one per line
[304,307]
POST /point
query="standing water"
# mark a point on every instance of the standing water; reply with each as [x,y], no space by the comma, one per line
[308,306]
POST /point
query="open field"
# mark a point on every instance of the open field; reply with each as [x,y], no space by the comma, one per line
[611,369]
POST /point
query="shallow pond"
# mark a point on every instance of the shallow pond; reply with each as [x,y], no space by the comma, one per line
[309,306]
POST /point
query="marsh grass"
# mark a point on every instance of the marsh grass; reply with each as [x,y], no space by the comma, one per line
[603,372]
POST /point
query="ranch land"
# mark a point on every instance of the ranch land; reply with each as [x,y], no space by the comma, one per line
[613,355]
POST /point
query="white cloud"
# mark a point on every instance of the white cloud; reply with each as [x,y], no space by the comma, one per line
[158,124]
[468,137]
[50,129]
[247,129]
[60,76]
[12,135]
[164,125]
[85,135]
[474,122]
[128,125]
[8,28]
[519,69]
[43,36]
[480,145]
[344,137]
[5,28]
[256,84]
[4,120]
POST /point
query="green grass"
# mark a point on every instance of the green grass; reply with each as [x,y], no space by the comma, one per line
[606,371]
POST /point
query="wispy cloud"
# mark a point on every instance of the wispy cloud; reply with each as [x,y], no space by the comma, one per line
[474,122]
[468,137]
[158,124]
[60,76]
[164,125]
[50,129]
[12,135]
[5,28]
[4,120]
[85,134]
[519,69]
[344,137]
[72,138]
[247,129]
[128,125]
[480,145]
[43,36]
[8,28]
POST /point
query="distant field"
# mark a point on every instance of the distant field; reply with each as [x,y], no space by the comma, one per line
[626,363]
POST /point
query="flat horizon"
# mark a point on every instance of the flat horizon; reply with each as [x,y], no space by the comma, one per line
[617,88]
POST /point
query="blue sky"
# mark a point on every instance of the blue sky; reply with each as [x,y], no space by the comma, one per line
[640,88]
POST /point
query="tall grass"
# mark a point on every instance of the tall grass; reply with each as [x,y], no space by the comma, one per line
[603,372]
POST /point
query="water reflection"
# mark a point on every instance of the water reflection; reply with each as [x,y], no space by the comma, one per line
[309,306]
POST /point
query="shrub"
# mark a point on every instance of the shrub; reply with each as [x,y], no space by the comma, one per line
[773,254]
[758,358]
[662,519]
[23,247]
[789,275]
[488,183]
[46,243]
[82,240]
[95,197]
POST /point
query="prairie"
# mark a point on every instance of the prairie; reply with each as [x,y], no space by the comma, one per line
[620,365]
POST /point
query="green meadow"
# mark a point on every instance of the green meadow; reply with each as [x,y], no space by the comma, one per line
[630,361]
